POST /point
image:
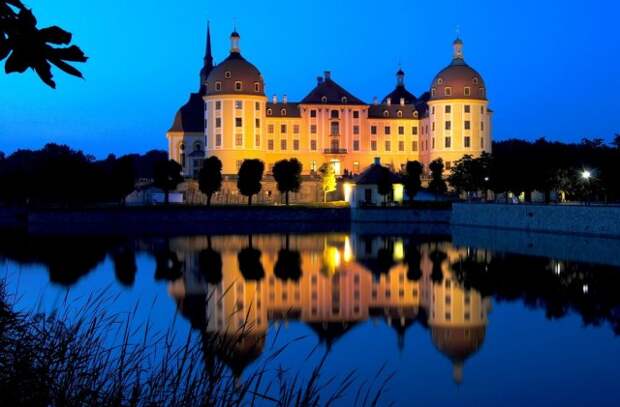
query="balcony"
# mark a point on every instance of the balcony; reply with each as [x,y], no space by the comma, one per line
[334,151]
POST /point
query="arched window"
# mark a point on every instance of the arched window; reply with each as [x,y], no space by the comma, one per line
[343,99]
[448,91]
[415,114]
[440,81]
[324,99]
[238,86]
[399,113]
[256,86]
[482,92]
[475,80]
[227,75]
[467,91]
[218,86]
[283,112]
[386,113]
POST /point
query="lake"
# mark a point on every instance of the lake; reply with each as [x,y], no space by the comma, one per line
[457,316]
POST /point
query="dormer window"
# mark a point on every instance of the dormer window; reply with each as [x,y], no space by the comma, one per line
[343,99]
[238,86]
[433,92]
[283,112]
[440,81]
[399,114]
[448,91]
[269,112]
[324,99]
[415,114]
[467,91]
[386,113]
[227,75]
[475,80]
[256,87]
[482,92]
[218,86]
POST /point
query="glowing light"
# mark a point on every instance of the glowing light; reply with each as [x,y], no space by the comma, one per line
[398,192]
[558,268]
[348,253]
[399,250]
[347,188]
[585,174]
[585,288]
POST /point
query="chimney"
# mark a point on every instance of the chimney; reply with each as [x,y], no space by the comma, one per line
[375,101]
[319,80]
[328,75]
[377,160]
[274,99]
[389,101]
[284,99]
[402,101]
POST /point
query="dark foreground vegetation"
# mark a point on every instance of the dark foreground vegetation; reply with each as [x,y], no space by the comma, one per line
[95,358]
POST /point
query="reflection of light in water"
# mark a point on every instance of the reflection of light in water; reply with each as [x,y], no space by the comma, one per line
[558,268]
[585,288]
[399,250]
[332,259]
[348,254]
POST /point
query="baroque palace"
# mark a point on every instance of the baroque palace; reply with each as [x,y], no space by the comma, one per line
[230,117]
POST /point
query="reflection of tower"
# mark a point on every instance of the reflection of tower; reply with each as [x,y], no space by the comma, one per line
[457,316]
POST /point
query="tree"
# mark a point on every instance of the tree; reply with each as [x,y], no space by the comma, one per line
[167,175]
[328,175]
[616,141]
[25,46]
[437,184]
[384,183]
[210,177]
[413,184]
[287,174]
[249,178]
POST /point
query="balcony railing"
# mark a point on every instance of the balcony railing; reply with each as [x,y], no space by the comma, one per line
[335,151]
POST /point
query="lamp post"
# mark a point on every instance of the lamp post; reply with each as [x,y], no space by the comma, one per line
[585,176]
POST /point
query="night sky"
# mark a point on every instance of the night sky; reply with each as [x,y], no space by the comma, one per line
[551,68]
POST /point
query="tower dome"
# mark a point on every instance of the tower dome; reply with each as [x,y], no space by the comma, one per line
[458,80]
[400,92]
[235,75]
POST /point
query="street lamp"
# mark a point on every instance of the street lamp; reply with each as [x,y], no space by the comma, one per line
[585,175]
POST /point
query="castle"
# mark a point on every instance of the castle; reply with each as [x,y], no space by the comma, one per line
[230,117]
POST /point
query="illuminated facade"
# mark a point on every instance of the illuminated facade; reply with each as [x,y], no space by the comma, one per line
[231,117]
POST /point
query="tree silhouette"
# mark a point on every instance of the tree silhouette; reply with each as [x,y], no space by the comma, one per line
[125,267]
[413,258]
[288,265]
[210,177]
[210,264]
[167,176]
[249,178]
[328,179]
[384,183]
[249,263]
[437,185]
[25,46]
[412,182]
[437,258]
[287,174]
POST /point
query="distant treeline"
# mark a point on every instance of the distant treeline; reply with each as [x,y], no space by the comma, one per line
[57,174]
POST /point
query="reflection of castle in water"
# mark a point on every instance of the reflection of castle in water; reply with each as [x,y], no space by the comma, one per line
[331,283]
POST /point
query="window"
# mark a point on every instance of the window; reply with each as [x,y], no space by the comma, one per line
[269,112]
[481,126]
[448,91]
[282,112]
[481,142]
[257,140]
[373,145]
[386,130]
[238,86]
[414,130]
[313,128]
[256,87]
[296,145]
[257,106]
[356,129]
[238,140]
[312,113]
[343,99]
[433,143]
[356,145]
[218,140]
[218,122]
[448,142]
[399,114]
[283,128]
[296,129]
[388,145]
[448,109]
[467,108]
[270,129]
[324,99]
[313,145]
[257,123]
[475,80]
[218,86]
[334,114]
[373,129]
[433,126]
[448,125]
[415,114]
[335,128]
[481,109]
[440,81]
[313,169]
[218,105]
[467,142]
[270,144]
[482,92]
[238,122]
[386,113]
[356,169]
[448,316]
[401,146]
[401,130]
[433,92]
[467,91]
[356,114]
[227,74]
[467,124]
[433,110]
[414,146]
[282,144]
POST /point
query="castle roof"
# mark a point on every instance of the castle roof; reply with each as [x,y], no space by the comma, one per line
[329,92]
[190,117]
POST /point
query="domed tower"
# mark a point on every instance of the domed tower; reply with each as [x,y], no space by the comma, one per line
[400,95]
[459,121]
[234,109]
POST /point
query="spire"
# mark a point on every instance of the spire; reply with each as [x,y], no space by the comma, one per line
[208,61]
[234,42]
[400,77]
[457,47]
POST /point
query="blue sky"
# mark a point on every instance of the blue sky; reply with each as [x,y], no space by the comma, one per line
[551,68]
